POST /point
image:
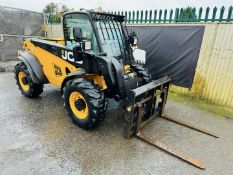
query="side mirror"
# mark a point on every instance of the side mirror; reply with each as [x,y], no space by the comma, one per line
[133,40]
[77,31]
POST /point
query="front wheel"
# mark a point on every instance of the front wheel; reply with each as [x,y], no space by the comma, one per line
[85,103]
[142,73]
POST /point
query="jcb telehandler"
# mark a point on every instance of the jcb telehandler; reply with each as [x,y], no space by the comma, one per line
[97,59]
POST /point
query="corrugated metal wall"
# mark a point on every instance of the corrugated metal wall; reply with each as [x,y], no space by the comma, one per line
[213,79]
[54,31]
[14,25]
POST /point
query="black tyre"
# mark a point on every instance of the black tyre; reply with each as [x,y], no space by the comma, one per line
[146,78]
[24,81]
[142,73]
[85,103]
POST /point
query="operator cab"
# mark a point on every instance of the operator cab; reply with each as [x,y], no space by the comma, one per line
[101,33]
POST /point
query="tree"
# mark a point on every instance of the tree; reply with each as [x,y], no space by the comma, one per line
[64,8]
[55,11]
[55,8]
[51,8]
[187,14]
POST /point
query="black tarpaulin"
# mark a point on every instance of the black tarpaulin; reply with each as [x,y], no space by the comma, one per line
[171,50]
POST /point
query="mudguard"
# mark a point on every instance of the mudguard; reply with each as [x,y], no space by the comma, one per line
[112,71]
[110,68]
[72,76]
[33,66]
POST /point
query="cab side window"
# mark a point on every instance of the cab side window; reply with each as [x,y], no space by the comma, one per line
[82,21]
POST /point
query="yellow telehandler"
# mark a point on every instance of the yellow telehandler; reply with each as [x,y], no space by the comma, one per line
[97,59]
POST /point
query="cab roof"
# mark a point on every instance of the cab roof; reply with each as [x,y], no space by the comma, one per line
[101,15]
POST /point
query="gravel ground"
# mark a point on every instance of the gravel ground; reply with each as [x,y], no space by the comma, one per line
[37,137]
[7,66]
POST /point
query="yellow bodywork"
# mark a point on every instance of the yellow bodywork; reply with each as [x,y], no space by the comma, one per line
[56,69]
[127,68]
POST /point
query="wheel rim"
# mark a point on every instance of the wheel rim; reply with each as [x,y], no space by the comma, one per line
[81,112]
[24,86]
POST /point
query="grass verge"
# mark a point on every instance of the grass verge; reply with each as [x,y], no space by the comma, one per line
[218,109]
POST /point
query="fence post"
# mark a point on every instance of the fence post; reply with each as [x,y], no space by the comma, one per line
[221,14]
[165,16]
[137,21]
[146,14]
[126,19]
[194,15]
[181,19]
[177,14]
[141,20]
[133,19]
[129,17]
[230,14]
[207,14]
[200,14]
[170,18]
[150,16]
[160,15]
[155,16]
[214,14]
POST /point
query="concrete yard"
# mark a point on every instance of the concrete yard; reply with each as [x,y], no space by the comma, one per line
[37,137]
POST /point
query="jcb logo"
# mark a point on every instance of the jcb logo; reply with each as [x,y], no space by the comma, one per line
[69,56]
[57,70]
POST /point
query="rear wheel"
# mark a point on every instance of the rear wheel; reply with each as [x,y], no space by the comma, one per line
[85,103]
[24,81]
